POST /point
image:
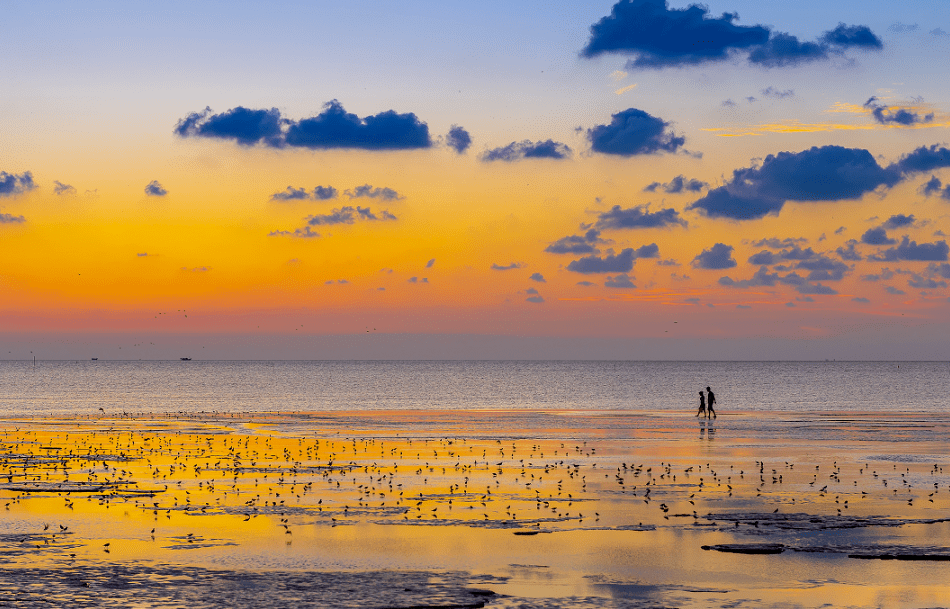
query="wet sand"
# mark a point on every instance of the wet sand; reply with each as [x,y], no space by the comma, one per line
[473,509]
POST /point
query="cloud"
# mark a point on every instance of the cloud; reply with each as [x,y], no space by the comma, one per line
[507,267]
[860,300]
[11,219]
[532,291]
[899,220]
[885,274]
[935,186]
[16,184]
[430,263]
[910,250]
[63,189]
[761,278]
[718,256]
[847,251]
[776,243]
[892,290]
[577,244]
[621,281]
[338,281]
[334,127]
[347,215]
[923,159]
[528,150]
[586,284]
[900,28]
[729,103]
[367,190]
[196,269]
[610,263]
[776,93]
[320,193]
[458,139]
[154,189]
[939,270]
[894,114]
[661,37]
[938,32]
[877,236]
[668,262]
[301,233]
[535,299]
[537,277]
[677,185]
[638,217]
[925,283]
[826,173]
[632,132]
[822,268]
[418,280]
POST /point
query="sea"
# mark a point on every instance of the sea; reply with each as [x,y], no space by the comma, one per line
[77,388]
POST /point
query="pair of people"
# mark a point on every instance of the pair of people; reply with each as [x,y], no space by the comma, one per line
[706,404]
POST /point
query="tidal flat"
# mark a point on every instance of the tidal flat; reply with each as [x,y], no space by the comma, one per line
[475,509]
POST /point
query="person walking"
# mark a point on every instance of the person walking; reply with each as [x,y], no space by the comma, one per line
[710,402]
[702,404]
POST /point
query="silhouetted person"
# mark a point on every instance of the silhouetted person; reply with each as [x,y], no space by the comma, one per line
[710,401]
[702,404]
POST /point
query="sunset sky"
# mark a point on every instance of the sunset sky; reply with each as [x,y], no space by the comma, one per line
[495,179]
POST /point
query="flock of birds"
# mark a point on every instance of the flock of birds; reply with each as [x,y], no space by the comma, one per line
[172,476]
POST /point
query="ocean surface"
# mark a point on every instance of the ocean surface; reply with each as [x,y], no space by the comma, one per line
[83,387]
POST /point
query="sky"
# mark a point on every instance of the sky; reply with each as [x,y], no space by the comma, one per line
[636,180]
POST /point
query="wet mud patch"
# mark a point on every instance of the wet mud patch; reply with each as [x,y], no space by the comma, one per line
[170,586]
[866,551]
[812,522]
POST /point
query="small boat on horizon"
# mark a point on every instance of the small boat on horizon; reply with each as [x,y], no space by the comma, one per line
[95,358]
[185,359]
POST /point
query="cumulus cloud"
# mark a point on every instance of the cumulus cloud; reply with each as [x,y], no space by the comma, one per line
[910,250]
[319,193]
[934,186]
[621,281]
[847,251]
[719,256]
[154,189]
[877,236]
[610,263]
[63,189]
[347,215]
[458,139]
[924,158]
[367,191]
[430,263]
[506,267]
[776,93]
[418,280]
[528,150]
[334,127]
[660,37]
[11,219]
[677,185]
[763,278]
[632,132]
[892,290]
[638,217]
[577,244]
[537,277]
[538,299]
[16,184]
[826,173]
[776,243]
[895,114]
[301,233]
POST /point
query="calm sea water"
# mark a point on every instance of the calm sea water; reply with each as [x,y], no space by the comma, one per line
[83,387]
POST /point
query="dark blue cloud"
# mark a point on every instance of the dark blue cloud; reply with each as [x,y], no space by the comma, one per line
[154,189]
[847,251]
[506,267]
[633,132]
[638,217]
[925,283]
[661,37]
[935,186]
[651,250]
[891,114]
[823,268]
[63,189]
[367,191]
[528,150]
[923,159]
[910,250]
[764,257]
[771,91]
[243,125]
[577,244]
[718,256]
[347,215]
[892,290]
[320,193]
[776,243]
[899,220]
[11,219]
[537,277]
[418,280]
[939,270]
[301,233]
[458,139]
[621,281]
[324,193]
[430,263]
[610,263]
[826,173]
[334,127]
[761,278]
[877,236]
[15,184]
[885,274]
[677,185]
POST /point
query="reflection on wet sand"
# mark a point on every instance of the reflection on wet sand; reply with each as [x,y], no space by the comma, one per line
[560,509]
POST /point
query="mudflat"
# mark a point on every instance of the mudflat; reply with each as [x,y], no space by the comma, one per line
[476,509]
